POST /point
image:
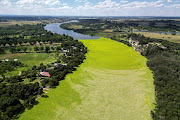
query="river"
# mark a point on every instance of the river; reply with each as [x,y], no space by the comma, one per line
[55,28]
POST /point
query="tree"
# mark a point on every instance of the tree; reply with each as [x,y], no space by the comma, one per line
[40,90]
[25,42]
[10,43]
[30,49]
[18,49]
[24,49]
[56,55]
[1,50]
[152,24]
[12,50]
[51,83]
[173,33]
[52,48]
[41,48]
[36,48]
[20,41]
[15,42]
[4,43]
[58,48]
[47,48]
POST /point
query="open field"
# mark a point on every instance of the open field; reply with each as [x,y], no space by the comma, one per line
[29,59]
[14,22]
[171,38]
[113,83]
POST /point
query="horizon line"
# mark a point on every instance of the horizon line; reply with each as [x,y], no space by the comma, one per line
[81,15]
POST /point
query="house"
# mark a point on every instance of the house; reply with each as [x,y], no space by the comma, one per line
[130,41]
[64,51]
[73,47]
[37,44]
[54,65]
[136,42]
[6,59]
[45,74]
[15,59]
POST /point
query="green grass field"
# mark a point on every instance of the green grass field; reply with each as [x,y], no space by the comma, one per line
[113,83]
[169,37]
[30,59]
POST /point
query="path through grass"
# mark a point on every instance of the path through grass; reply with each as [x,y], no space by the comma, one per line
[113,83]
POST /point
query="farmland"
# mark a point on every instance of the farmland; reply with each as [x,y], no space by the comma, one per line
[112,83]
[169,37]
[14,22]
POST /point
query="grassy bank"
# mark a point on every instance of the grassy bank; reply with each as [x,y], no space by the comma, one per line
[113,83]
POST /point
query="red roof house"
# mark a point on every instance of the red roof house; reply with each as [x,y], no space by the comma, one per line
[46,74]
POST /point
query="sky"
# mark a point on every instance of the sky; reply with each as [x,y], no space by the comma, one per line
[91,7]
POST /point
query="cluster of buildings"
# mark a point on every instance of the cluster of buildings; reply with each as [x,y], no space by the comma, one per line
[139,48]
[9,60]
[46,74]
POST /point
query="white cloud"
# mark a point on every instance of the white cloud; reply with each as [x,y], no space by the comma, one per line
[87,4]
[107,4]
[106,7]
[37,3]
[169,1]
[123,1]
[81,0]
[5,3]
[137,4]
[175,6]
[64,4]
[160,5]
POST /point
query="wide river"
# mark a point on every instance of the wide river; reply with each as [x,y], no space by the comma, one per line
[55,28]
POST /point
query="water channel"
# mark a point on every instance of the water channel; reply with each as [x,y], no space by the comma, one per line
[55,28]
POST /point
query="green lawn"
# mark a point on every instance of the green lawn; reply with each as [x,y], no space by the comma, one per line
[30,59]
[113,83]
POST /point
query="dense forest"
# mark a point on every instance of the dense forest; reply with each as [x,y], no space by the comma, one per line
[15,96]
